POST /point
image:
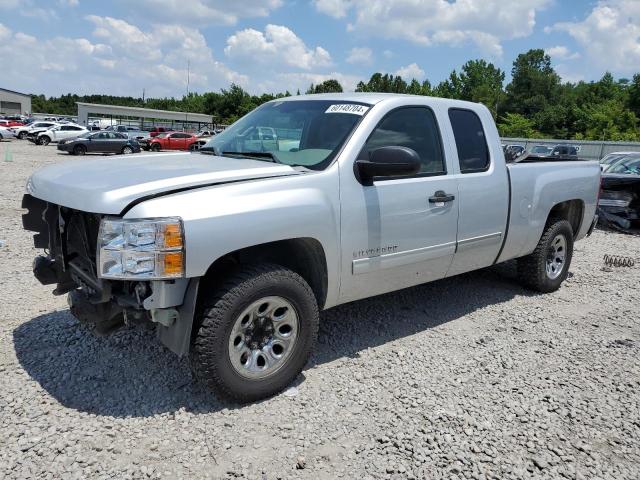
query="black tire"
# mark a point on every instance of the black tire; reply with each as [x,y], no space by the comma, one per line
[155,147]
[22,135]
[127,150]
[44,140]
[532,269]
[79,150]
[209,356]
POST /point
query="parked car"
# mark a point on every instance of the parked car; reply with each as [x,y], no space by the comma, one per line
[232,252]
[100,124]
[203,137]
[5,133]
[100,142]
[619,203]
[155,131]
[61,132]
[22,132]
[565,151]
[131,132]
[541,150]
[613,157]
[10,123]
[511,152]
[170,141]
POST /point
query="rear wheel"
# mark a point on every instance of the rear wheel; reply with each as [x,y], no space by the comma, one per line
[547,267]
[79,150]
[44,140]
[257,332]
[127,150]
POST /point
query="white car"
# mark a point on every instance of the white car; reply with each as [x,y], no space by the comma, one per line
[5,133]
[60,132]
[22,132]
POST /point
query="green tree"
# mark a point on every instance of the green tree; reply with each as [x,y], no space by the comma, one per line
[482,82]
[534,84]
[328,86]
[515,125]
[386,83]
[634,95]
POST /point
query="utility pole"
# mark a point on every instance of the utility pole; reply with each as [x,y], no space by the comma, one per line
[143,95]
[188,74]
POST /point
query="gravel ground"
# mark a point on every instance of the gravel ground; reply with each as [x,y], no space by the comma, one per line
[470,377]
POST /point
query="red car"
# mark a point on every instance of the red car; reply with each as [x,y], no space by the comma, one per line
[10,123]
[155,131]
[171,141]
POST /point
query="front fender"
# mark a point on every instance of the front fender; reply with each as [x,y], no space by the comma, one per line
[224,218]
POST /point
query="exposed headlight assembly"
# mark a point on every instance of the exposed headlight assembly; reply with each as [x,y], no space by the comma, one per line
[151,249]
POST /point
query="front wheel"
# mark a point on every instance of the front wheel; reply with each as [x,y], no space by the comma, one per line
[155,147]
[22,135]
[256,334]
[547,267]
[79,150]
[44,140]
[127,150]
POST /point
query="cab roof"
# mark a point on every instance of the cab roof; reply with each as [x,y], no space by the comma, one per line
[371,98]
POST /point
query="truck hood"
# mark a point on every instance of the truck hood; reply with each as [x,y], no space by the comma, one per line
[109,185]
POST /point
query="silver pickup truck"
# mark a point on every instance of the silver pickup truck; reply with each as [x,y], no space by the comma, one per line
[232,251]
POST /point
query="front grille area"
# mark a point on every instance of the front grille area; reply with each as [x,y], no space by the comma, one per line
[69,238]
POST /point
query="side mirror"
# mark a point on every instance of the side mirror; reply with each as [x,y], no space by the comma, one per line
[387,162]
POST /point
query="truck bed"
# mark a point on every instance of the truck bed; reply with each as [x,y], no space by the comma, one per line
[535,187]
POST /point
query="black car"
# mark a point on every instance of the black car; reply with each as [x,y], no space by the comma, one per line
[100,142]
[564,151]
[619,203]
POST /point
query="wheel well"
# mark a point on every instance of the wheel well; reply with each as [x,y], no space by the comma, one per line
[305,256]
[570,210]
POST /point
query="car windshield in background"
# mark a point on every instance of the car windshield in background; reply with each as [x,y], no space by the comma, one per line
[305,133]
[629,164]
[541,149]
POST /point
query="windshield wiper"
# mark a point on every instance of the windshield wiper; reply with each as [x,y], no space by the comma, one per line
[256,155]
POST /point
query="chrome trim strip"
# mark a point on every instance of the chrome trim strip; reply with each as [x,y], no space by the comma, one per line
[482,240]
[398,259]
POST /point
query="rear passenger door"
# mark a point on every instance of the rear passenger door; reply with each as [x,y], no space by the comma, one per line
[114,142]
[397,232]
[98,142]
[483,190]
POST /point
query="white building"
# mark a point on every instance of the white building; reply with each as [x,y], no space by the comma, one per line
[14,103]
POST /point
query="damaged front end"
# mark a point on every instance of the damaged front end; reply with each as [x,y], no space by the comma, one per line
[619,204]
[70,240]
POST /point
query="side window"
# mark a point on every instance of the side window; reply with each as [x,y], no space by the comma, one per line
[412,127]
[471,143]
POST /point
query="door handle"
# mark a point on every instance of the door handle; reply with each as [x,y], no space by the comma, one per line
[440,197]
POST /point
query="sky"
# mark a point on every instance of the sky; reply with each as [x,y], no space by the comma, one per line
[123,47]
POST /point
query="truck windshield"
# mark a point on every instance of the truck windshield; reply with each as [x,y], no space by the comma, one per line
[305,133]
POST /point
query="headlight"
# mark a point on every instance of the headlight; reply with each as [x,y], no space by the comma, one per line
[141,249]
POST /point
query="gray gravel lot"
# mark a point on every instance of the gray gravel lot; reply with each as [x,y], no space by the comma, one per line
[470,377]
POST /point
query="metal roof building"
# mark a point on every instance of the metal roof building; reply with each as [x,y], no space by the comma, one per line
[116,111]
[14,103]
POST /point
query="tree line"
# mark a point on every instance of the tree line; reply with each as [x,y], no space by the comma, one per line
[535,103]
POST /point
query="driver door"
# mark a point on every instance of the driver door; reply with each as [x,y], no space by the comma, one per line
[395,233]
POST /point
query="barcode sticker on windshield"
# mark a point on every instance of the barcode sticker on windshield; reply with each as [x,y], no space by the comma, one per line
[347,108]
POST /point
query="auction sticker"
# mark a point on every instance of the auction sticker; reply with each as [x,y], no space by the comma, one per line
[347,108]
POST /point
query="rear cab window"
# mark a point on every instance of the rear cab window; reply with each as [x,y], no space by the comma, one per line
[471,142]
